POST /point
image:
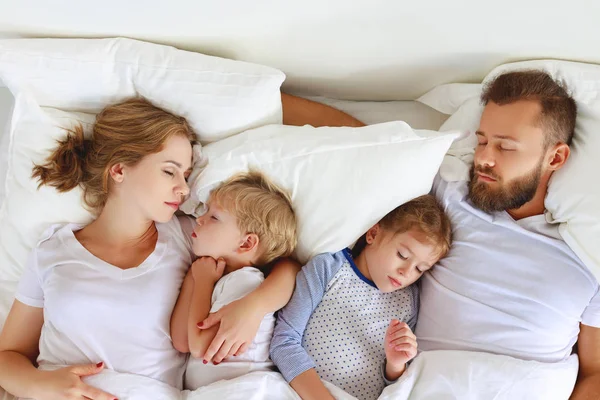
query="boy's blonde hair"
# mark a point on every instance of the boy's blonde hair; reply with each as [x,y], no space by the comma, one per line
[263,208]
[425,215]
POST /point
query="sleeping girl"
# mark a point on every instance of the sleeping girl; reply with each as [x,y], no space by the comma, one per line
[351,317]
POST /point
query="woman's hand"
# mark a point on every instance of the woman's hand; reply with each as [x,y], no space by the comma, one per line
[66,383]
[239,323]
[208,268]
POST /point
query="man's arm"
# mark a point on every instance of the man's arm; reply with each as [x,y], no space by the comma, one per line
[588,382]
[298,111]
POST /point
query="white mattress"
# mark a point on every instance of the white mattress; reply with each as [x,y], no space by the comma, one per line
[416,114]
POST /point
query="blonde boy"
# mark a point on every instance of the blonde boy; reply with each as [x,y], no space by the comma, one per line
[249,222]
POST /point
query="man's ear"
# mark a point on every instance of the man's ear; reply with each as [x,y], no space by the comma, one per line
[116,173]
[559,156]
[249,242]
[372,233]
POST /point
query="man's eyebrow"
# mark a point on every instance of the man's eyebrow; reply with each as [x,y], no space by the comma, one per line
[501,137]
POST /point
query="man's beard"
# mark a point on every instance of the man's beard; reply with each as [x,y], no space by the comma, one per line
[507,196]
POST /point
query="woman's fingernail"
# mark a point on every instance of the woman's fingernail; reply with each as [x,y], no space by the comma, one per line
[199,324]
[204,362]
[215,363]
[99,364]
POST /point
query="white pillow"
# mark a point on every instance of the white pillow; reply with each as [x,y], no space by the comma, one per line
[573,198]
[219,97]
[341,180]
[59,82]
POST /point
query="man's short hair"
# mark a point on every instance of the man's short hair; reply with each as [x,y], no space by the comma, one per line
[559,110]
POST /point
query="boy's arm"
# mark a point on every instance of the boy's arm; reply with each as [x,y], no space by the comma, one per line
[286,349]
[204,284]
[179,318]
[199,309]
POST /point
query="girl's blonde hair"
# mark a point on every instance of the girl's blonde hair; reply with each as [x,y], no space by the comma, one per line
[263,208]
[123,133]
[426,216]
[423,214]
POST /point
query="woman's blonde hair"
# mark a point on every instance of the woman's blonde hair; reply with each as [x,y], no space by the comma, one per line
[263,208]
[123,133]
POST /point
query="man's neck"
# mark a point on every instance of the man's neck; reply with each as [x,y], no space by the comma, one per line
[535,206]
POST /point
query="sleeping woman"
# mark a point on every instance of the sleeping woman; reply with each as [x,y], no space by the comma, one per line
[100,296]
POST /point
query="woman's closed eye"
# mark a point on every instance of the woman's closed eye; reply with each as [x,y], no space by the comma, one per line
[402,256]
[171,174]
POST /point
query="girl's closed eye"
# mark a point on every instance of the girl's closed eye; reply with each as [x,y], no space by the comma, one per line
[402,256]
[169,173]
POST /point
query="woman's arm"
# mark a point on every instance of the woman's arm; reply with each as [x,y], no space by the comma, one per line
[298,111]
[19,343]
[19,349]
[240,319]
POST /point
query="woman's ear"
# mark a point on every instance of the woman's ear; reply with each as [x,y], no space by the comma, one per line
[372,233]
[116,173]
[249,243]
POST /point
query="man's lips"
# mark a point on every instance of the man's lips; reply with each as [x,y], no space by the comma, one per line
[485,177]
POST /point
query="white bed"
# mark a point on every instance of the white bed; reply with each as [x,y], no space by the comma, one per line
[383,53]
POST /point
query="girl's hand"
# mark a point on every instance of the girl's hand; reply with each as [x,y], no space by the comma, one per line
[400,347]
[239,323]
[66,383]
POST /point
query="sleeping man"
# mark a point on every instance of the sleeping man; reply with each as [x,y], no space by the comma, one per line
[510,285]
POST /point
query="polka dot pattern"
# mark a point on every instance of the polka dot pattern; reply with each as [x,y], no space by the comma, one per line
[345,333]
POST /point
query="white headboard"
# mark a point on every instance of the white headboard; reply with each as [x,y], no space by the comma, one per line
[352,49]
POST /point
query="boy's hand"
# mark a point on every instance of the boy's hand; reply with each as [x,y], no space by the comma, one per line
[207,268]
[400,347]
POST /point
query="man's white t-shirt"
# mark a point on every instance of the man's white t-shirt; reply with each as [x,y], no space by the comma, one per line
[507,287]
[94,311]
[229,288]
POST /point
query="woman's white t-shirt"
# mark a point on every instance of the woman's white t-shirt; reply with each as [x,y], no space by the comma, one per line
[95,311]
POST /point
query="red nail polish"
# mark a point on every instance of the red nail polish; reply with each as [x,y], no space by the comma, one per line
[99,364]
[204,361]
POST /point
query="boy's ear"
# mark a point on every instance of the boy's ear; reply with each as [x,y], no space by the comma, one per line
[372,233]
[249,243]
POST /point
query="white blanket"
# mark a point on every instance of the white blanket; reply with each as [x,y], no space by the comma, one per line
[449,375]
[433,375]
[253,386]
